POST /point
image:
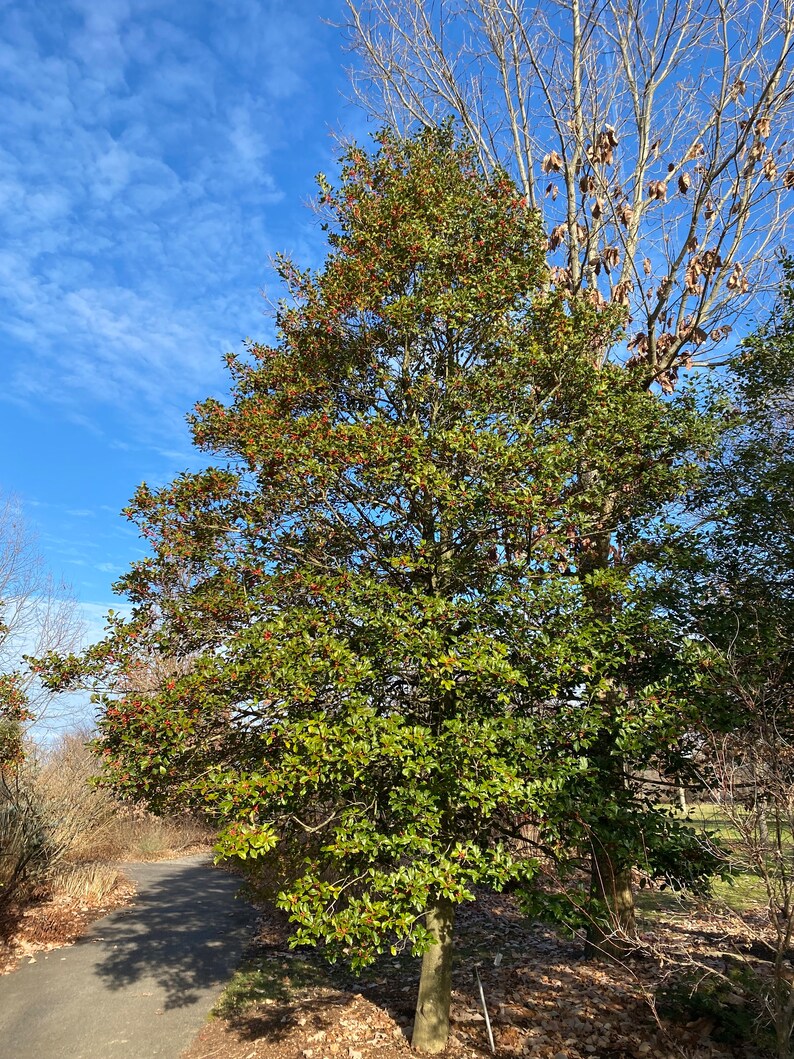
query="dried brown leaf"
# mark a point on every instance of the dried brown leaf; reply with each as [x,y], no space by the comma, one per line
[611,257]
[626,215]
[763,127]
[621,292]
[657,189]
[556,236]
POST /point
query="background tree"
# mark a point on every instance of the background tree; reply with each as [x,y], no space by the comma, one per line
[740,600]
[653,138]
[382,589]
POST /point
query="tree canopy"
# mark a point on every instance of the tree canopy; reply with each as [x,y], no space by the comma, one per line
[402,596]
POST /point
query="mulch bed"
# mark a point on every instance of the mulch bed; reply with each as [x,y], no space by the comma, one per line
[544,1000]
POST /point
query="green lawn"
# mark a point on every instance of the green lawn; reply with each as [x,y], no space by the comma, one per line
[742,892]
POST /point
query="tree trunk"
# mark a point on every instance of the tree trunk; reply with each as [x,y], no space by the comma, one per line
[613,928]
[682,805]
[431,1025]
[612,922]
[762,815]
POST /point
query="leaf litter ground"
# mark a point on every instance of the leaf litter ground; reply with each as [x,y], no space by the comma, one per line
[544,1000]
[52,922]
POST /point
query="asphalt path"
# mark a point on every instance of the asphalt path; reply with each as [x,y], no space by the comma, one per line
[140,983]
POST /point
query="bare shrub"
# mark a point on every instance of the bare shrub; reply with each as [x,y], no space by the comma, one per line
[80,818]
[50,815]
[751,776]
[25,853]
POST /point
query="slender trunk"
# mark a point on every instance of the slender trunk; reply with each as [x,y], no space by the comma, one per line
[762,812]
[613,928]
[612,922]
[682,799]
[431,1025]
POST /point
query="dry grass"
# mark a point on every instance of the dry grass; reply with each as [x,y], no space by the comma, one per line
[89,883]
[141,836]
[58,918]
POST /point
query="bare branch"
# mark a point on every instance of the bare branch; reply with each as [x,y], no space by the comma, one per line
[37,613]
[653,137]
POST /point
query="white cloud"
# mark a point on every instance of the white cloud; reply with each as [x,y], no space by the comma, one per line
[135,181]
[95,614]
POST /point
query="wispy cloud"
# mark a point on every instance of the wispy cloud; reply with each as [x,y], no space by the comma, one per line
[153,155]
[140,177]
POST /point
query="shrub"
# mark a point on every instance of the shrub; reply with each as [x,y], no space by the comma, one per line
[732,1003]
[25,850]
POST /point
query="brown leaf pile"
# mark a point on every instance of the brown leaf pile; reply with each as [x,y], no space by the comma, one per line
[50,923]
[544,1000]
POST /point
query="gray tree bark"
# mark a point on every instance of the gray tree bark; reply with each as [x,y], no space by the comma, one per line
[431,1025]
[611,889]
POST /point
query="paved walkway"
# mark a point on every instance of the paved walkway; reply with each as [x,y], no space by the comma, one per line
[139,984]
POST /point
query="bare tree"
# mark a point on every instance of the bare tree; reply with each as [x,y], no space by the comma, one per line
[37,613]
[653,137]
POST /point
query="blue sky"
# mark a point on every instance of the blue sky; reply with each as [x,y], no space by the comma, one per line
[154,154]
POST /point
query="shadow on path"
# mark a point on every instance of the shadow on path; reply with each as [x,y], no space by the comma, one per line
[177,933]
[141,981]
